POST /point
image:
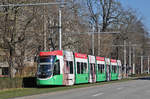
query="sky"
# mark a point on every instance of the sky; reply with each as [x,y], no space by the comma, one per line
[142,7]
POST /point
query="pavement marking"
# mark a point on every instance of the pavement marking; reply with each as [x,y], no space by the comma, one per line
[119,88]
[98,94]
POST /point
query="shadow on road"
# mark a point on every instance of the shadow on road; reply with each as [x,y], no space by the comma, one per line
[29,82]
[144,78]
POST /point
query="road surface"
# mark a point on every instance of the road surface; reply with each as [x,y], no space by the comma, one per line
[135,89]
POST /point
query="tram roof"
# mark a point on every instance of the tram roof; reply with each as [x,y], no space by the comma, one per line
[113,60]
[48,53]
[79,55]
[100,58]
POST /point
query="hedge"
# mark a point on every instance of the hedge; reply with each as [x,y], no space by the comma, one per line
[7,83]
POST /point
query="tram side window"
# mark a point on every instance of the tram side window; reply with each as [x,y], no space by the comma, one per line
[71,67]
[100,68]
[91,66]
[94,68]
[57,68]
[78,68]
[67,68]
[85,68]
[82,68]
[114,69]
[103,68]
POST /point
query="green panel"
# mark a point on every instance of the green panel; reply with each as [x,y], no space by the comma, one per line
[58,80]
[81,78]
[100,77]
[114,76]
[55,80]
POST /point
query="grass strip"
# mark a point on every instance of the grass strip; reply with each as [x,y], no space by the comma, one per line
[19,92]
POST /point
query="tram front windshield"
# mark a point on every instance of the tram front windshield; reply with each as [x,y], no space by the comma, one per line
[45,66]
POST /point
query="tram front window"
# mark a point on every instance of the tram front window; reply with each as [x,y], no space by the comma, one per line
[45,66]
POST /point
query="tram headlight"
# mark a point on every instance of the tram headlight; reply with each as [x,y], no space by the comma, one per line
[38,73]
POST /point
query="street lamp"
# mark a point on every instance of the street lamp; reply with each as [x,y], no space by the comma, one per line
[60,23]
[93,40]
[60,28]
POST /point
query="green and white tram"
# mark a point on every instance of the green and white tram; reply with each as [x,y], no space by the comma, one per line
[68,68]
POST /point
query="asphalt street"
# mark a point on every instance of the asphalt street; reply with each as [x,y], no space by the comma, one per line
[135,89]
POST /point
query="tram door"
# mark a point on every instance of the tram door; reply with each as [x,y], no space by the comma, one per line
[68,75]
[119,69]
[108,69]
[93,72]
[109,73]
[92,69]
